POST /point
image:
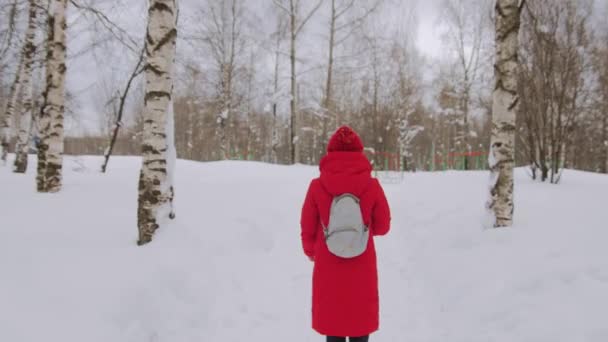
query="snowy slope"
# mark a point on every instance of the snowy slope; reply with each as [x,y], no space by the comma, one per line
[231,266]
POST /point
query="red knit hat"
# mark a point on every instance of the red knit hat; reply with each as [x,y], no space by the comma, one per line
[345,140]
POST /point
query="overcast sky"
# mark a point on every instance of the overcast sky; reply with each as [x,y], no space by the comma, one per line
[428,38]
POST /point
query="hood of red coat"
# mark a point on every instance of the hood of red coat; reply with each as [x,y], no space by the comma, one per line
[345,172]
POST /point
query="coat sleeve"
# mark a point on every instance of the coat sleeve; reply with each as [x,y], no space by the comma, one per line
[309,222]
[381,214]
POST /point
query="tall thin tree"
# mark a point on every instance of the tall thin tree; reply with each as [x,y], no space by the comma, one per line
[295,27]
[342,24]
[7,119]
[222,32]
[466,35]
[29,51]
[279,34]
[50,148]
[155,201]
[15,89]
[504,109]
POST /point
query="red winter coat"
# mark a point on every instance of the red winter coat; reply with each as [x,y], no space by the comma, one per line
[345,291]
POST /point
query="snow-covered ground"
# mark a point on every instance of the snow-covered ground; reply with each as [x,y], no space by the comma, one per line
[230,267]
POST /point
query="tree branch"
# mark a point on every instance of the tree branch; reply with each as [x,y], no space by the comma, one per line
[308,17]
[122,34]
[342,11]
[280,5]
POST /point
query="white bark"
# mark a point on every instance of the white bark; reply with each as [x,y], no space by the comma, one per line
[293,122]
[7,120]
[25,132]
[29,51]
[50,151]
[605,138]
[155,180]
[275,134]
[330,68]
[504,108]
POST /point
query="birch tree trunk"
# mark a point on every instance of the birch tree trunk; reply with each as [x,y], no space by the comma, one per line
[50,149]
[504,109]
[220,131]
[294,145]
[605,141]
[295,26]
[328,82]
[25,130]
[155,201]
[466,148]
[5,125]
[29,51]
[275,135]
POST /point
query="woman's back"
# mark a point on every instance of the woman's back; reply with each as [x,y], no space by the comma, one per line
[345,291]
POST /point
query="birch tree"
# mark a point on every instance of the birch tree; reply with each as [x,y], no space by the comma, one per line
[25,120]
[602,67]
[8,34]
[296,24]
[278,36]
[7,119]
[155,203]
[504,109]
[9,13]
[50,149]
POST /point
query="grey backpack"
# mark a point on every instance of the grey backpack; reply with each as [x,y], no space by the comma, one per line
[346,235]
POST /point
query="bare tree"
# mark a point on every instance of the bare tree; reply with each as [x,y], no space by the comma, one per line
[601,60]
[50,149]
[250,124]
[29,51]
[504,109]
[371,92]
[346,16]
[11,106]
[466,35]
[406,94]
[296,23]
[121,106]
[554,62]
[223,33]
[7,35]
[278,36]
[8,30]
[156,192]
[120,35]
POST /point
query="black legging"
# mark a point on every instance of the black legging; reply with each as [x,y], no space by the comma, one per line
[351,339]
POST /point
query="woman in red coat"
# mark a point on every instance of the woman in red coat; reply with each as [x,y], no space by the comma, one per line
[345,291]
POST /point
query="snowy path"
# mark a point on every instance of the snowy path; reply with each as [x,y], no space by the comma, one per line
[231,265]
